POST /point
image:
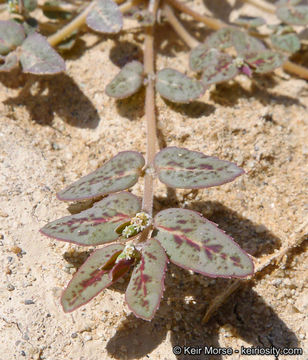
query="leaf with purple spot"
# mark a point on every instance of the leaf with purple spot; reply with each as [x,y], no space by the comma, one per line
[265,61]
[119,173]
[186,169]
[223,70]
[297,15]
[221,39]
[91,278]
[201,57]
[96,225]
[146,285]
[195,243]
[177,87]
[105,17]
[243,43]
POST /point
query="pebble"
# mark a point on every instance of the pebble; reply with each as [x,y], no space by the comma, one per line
[22,353]
[10,287]
[29,302]
[16,249]
[74,335]
[87,338]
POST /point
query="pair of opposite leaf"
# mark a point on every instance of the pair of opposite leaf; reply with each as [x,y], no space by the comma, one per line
[182,236]
[209,59]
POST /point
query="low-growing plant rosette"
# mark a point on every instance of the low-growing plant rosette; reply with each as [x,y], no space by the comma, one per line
[138,243]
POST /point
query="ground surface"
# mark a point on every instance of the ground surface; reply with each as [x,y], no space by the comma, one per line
[54,130]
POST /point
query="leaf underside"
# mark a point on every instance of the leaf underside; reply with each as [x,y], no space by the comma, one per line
[297,15]
[38,57]
[97,225]
[265,61]
[195,243]
[10,62]
[286,42]
[105,17]
[91,278]
[119,173]
[11,35]
[223,70]
[146,285]
[186,169]
[177,87]
[127,82]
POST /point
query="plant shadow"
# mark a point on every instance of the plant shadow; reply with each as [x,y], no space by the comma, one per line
[46,95]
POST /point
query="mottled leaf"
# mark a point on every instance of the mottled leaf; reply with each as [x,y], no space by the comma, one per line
[186,169]
[223,70]
[297,15]
[286,42]
[127,82]
[201,57]
[119,173]
[249,21]
[195,243]
[177,87]
[97,225]
[8,62]
[221,39]
[146,285]
[91,278]
[105,17]
[244,43]
[265,61]
[11,35]
[38,57]
[120,269]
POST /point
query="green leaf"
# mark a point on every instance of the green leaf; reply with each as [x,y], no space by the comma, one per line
[201,57]
[286,42]
[119,173]
[97,225]
[177,87]
[249,21]
[244,43]
[265,61]
[105,17]
[146,285]
[38,57]
[223,70]
[195,243]
[186,169]
[91,278]
[221,39]
[10,61]
[11,35]
[297,15]
[127,82]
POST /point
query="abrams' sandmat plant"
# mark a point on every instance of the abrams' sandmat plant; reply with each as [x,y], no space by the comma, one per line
[138,242]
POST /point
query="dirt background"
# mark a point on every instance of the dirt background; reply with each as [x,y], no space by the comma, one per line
[55,129]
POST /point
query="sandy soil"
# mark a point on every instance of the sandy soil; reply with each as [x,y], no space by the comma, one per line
[55,129]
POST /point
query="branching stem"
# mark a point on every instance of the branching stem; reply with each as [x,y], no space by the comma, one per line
[289,66]
[147,203]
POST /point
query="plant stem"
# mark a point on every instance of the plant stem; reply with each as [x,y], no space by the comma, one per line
[147,202]
[289,66]
[178,27]
[210,22]
[80,20]
[263,5]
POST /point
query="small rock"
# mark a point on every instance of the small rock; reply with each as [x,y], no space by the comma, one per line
[10,287]
[260,229]
[9,259]
[29,302]
[74,335]
[22,353]
[87,338]
[16,249]
[55,146]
